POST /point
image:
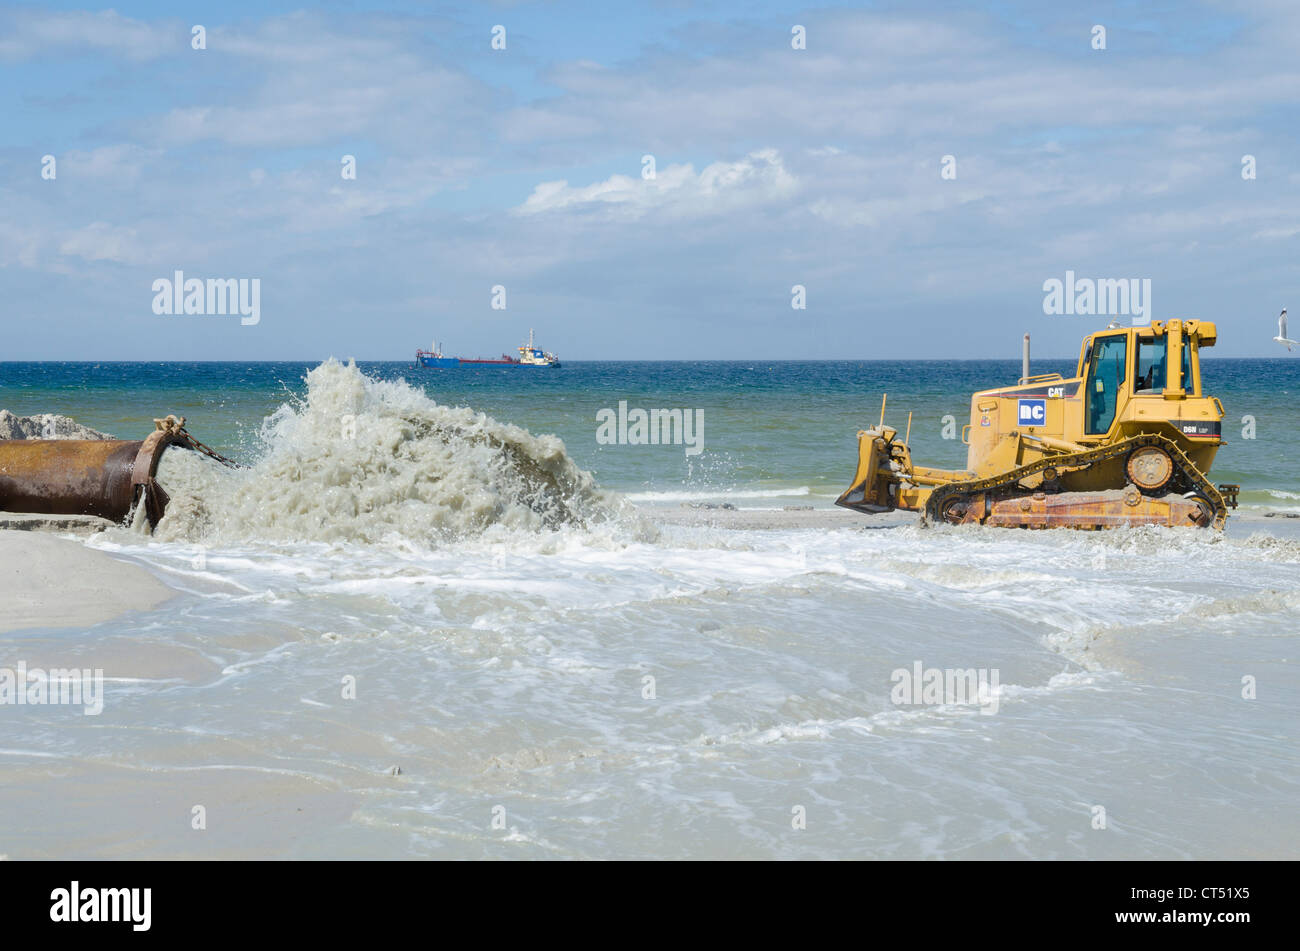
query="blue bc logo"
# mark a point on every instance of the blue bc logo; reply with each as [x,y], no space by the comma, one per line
[1033,412]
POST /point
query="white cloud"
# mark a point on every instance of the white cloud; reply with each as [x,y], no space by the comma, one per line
[103,242]
[110,164]
[760,177]
[310,81]
[30,34]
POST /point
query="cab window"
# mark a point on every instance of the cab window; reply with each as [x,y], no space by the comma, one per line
[1151,366]
[1107,371]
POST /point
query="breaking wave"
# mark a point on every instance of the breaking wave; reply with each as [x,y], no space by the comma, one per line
[361,460]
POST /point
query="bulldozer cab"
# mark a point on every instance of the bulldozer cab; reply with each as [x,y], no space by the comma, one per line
[1161,361]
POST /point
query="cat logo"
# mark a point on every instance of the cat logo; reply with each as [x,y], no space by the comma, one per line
[1055,392]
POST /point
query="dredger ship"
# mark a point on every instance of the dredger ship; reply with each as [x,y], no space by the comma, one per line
[1128,440]
[530,355]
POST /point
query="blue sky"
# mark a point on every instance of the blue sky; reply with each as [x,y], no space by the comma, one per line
[522,167]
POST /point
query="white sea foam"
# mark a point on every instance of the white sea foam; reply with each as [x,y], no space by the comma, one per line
[360,460]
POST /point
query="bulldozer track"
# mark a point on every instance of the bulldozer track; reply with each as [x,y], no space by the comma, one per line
[1202,486]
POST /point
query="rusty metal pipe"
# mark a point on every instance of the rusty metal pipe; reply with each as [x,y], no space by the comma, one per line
[86,477]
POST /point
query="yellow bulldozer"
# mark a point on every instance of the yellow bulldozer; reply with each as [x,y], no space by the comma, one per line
[1127,440]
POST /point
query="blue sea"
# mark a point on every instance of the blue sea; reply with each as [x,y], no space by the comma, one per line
[773,430]
[436,616]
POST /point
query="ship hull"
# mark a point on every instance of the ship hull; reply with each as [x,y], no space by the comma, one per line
[451,362]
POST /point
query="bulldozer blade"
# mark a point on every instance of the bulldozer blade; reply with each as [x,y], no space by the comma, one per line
[870,489]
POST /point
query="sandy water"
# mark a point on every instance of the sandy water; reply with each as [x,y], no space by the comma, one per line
[490,632]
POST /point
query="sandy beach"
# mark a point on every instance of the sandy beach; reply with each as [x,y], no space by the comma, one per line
[52,581]
[230,700]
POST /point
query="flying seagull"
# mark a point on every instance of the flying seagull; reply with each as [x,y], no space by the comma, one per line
[1281,337]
